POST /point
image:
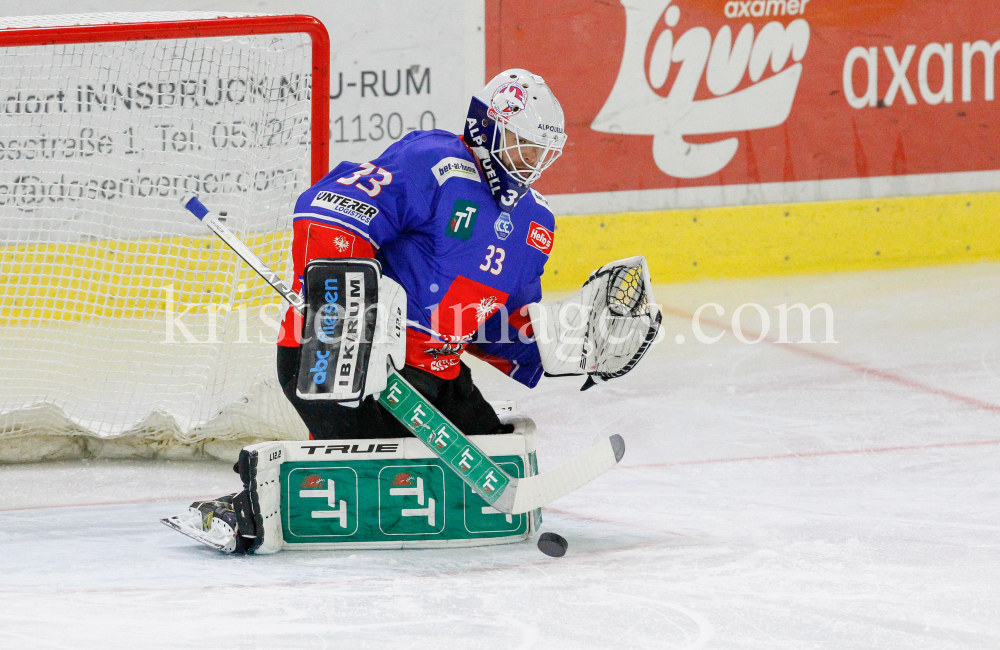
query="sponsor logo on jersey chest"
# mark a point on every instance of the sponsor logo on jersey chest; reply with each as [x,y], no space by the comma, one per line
[345,205]
[455,168]
[466,305]
[540,200]
[540,237]
[503,226]
[463,220]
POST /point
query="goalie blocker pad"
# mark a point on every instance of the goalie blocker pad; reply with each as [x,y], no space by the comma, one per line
[354,327]
[381,493]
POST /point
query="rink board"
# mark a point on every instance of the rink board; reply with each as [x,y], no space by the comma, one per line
[394,493]
[692,244]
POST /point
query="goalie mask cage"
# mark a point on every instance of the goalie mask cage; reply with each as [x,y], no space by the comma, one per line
[128,329]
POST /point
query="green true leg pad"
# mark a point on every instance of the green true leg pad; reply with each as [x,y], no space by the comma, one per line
[394,493]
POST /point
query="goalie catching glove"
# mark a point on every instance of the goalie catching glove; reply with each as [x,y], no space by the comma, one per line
[604,328]
[355,327]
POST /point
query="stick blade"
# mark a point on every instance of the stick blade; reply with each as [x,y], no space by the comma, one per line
[536,491]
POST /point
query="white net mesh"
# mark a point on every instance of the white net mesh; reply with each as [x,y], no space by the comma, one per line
[110,17]
[121,318]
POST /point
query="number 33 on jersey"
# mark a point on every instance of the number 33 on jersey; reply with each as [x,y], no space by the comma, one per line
[494,266]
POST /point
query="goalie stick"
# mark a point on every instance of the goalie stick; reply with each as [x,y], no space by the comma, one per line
[507,494]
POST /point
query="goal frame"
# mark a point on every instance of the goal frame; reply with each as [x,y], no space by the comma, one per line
[208,28]
[38,424]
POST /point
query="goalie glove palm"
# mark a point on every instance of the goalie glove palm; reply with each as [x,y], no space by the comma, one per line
[602,330]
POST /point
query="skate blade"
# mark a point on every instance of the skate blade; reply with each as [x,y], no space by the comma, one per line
[183,526]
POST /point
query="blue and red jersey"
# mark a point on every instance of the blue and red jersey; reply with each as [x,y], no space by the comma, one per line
[469,265]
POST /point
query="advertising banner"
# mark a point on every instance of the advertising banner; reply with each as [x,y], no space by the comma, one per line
[695,103]
[66,142]
[397,67]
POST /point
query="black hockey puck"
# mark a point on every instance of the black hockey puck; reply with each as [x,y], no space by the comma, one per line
[552,544]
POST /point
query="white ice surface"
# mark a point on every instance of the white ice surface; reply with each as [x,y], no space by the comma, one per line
[769,498]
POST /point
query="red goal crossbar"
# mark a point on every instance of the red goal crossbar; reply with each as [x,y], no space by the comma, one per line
[207,28]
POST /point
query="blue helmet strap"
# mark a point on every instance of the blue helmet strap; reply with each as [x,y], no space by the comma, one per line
[480,130]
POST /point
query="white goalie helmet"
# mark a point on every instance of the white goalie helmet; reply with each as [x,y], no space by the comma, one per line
[529,129]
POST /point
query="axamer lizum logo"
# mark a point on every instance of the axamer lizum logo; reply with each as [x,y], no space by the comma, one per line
[641,104]
[540,237]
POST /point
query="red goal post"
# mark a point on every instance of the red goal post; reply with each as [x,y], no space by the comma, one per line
[125,330]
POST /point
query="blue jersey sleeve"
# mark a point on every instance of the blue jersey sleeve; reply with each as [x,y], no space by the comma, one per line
[377,200]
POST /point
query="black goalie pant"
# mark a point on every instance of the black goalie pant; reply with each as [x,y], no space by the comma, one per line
[458,399]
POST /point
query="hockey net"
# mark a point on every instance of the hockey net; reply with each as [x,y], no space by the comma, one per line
[126,328]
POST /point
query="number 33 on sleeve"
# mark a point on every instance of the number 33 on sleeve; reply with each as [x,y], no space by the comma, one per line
[367,169]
